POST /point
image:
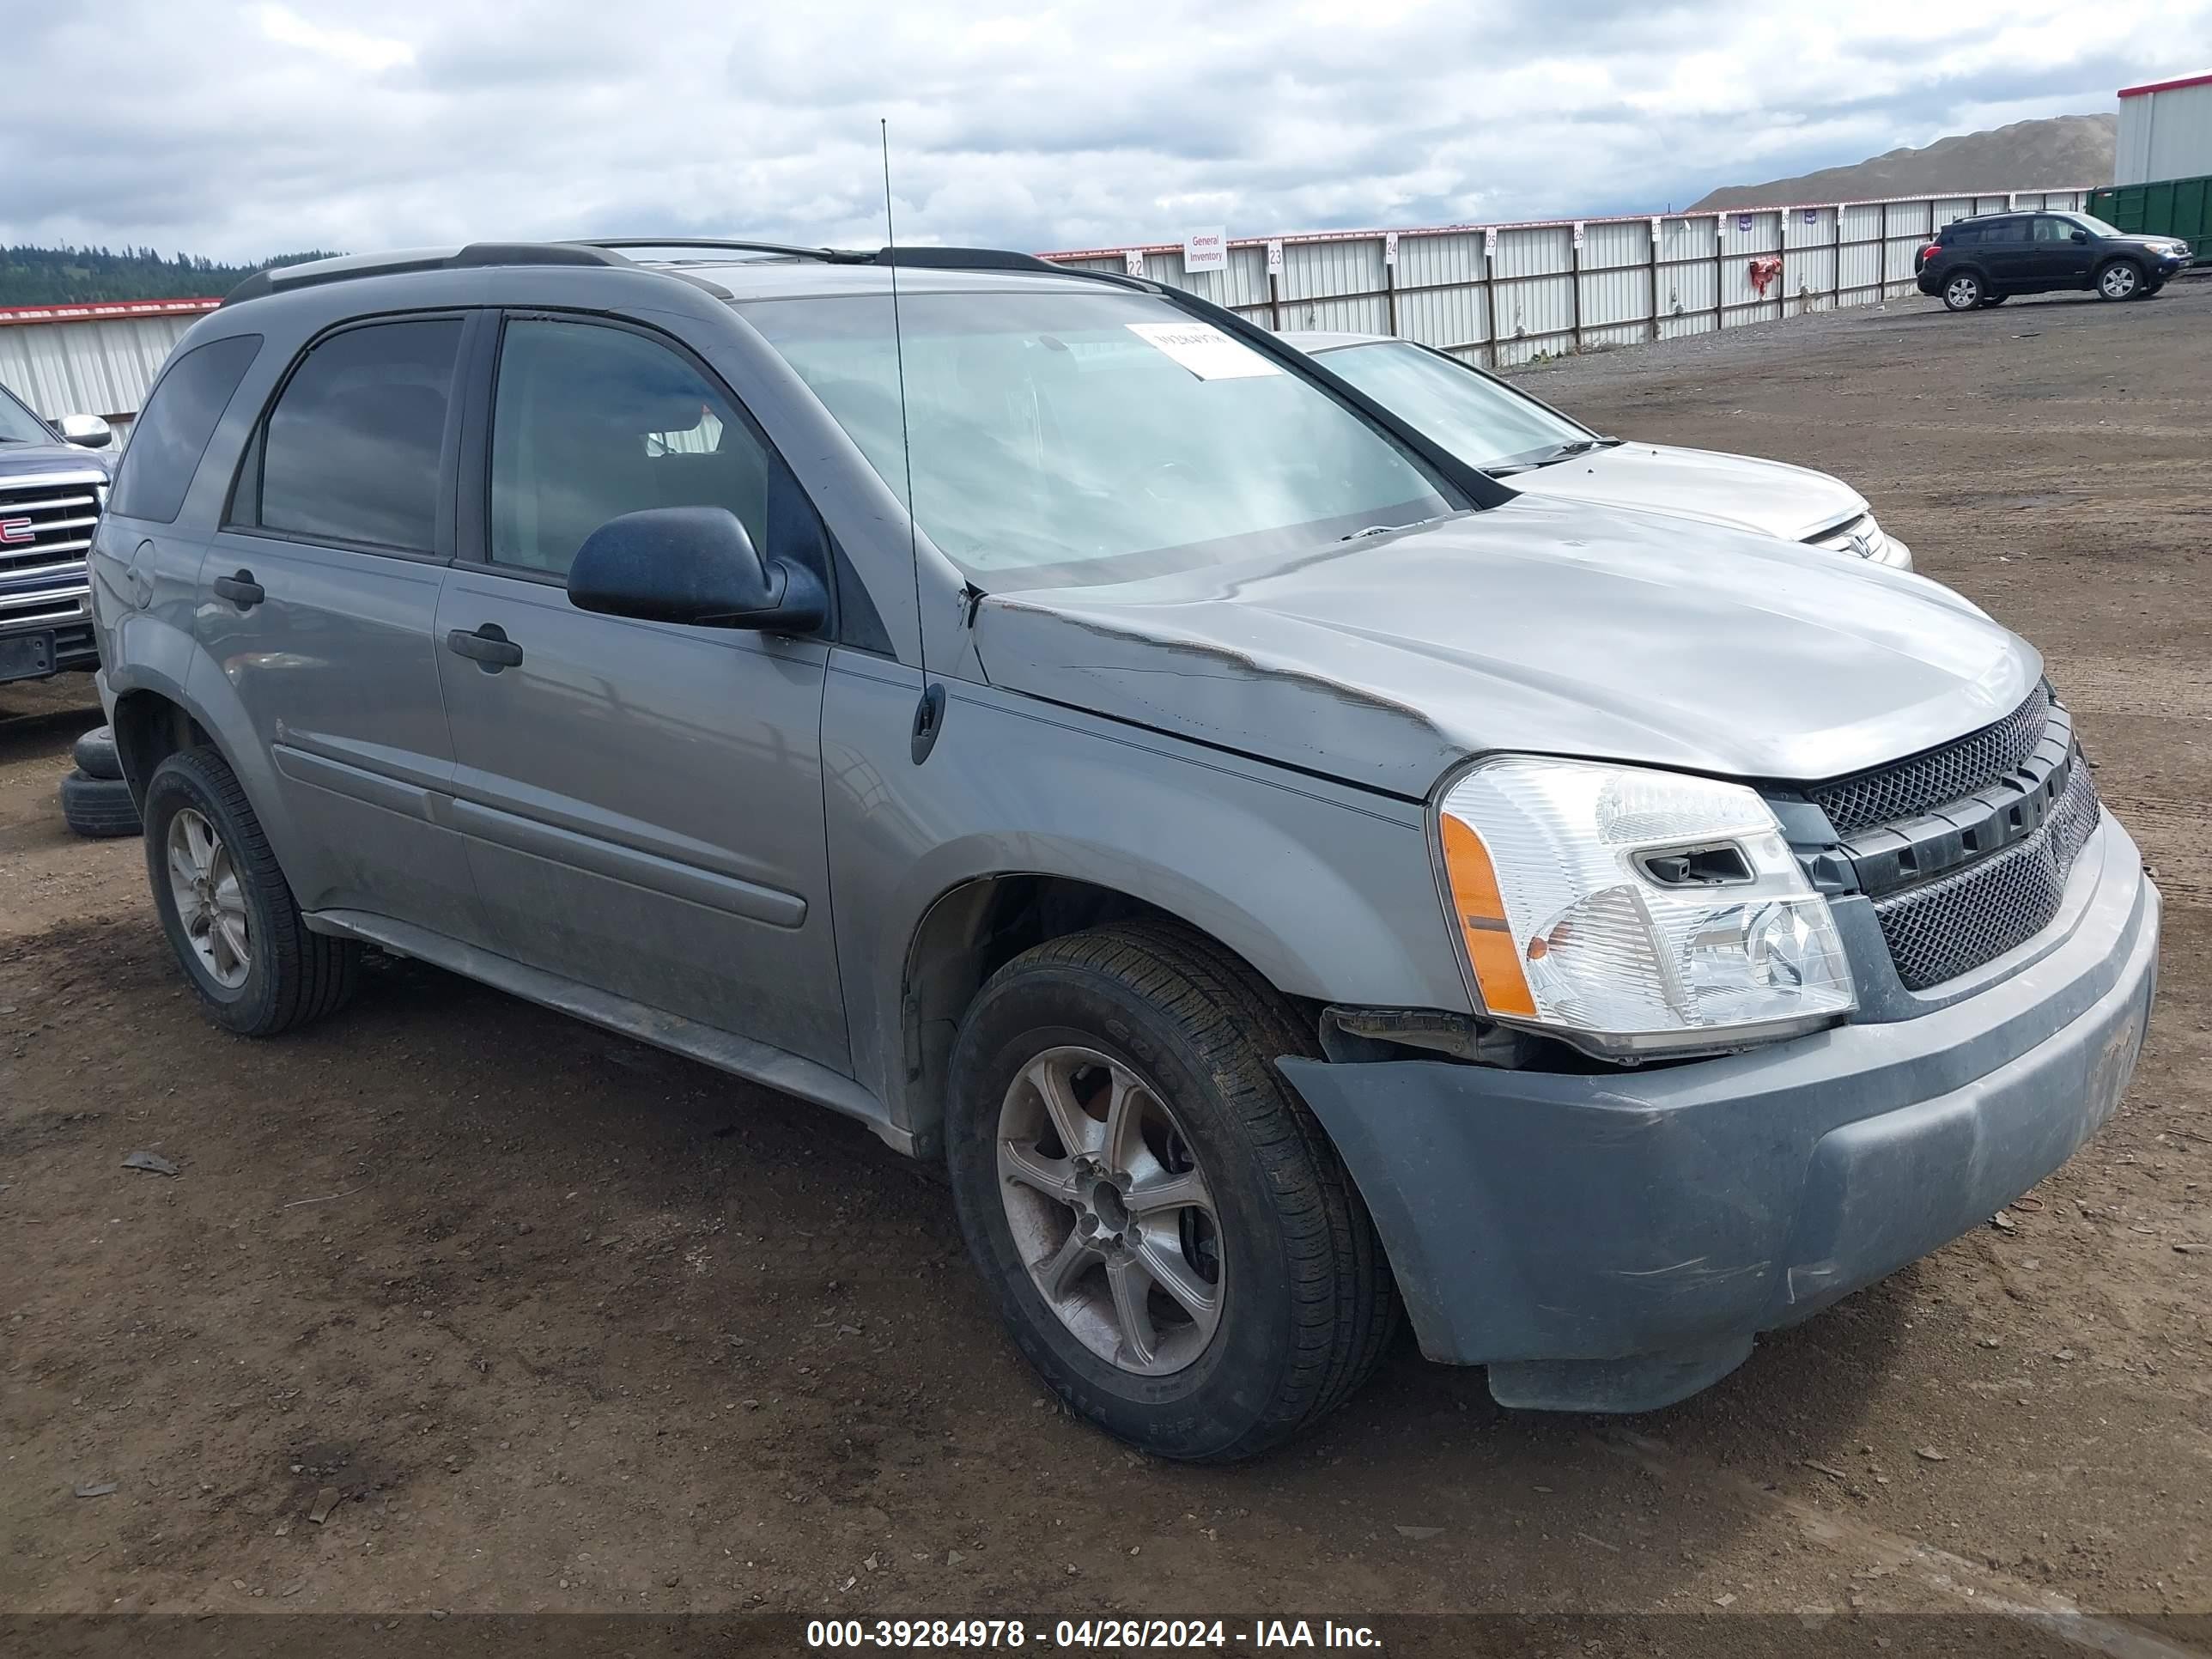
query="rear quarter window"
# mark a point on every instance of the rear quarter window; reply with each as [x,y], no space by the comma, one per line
[172,434]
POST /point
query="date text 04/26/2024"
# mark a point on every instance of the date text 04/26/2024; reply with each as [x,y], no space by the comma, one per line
[896,1635]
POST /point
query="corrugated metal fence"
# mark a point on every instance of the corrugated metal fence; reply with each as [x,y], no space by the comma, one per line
[91,359]
[1501,294]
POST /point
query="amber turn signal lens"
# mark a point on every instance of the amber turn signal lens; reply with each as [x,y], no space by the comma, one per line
[1481,913]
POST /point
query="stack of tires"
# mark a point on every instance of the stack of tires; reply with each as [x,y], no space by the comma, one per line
[95,800]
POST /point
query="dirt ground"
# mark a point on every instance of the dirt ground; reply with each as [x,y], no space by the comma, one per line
[573,1325]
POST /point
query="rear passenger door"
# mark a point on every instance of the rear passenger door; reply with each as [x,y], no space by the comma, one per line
[317,598]
[2008,255]
[642,801]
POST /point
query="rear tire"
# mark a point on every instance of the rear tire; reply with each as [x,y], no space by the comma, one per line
[1301,1299]
[99,808]
[227,909]
[2119,279]
[95,754]
[1963,291]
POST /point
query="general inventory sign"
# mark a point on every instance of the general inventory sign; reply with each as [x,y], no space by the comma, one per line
[1207,249]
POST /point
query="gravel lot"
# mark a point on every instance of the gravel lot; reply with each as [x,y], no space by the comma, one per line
[573,1325]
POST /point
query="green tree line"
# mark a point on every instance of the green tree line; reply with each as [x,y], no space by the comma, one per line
[33,276]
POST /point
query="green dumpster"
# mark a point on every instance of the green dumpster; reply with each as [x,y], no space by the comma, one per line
[2171,207]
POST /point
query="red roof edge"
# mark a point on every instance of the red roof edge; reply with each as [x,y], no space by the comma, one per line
[2202,80]
[101,309]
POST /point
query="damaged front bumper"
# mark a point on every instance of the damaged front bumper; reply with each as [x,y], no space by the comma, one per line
[1614,1243]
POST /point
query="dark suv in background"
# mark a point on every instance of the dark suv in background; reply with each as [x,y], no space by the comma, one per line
[1985,261]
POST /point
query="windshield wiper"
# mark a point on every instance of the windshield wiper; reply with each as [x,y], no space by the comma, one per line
[1385,529]
[1552,457]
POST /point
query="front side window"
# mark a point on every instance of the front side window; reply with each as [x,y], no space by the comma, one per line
[1482,422]
[171,436]
[352,449]
[17,424]
[592,422]
[1062,438]
[2095,226]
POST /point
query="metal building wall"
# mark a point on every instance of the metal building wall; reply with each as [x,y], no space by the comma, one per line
[2165,131]
[88,360]
[1502,294]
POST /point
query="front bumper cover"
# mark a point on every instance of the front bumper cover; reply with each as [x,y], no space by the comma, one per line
[1614,1243]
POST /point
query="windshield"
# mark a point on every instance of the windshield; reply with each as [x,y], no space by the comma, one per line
[1062,439]
[17,425]
[2094,225]
[1482,422]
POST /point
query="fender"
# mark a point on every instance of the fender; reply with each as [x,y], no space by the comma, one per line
[1327,891]
[156,657]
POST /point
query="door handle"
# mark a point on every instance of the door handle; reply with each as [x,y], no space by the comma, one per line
[488,648]
[242,589]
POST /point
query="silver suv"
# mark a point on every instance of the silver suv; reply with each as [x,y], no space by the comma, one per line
[1282,873]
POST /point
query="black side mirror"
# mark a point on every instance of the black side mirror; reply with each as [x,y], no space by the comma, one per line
[692,564]
[2080,235]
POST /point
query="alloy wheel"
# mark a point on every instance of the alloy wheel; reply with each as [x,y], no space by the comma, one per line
[2118,282]
[1110,1212]
[1963,293]
[209,897]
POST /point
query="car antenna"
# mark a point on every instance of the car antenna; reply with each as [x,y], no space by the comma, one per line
[929,712]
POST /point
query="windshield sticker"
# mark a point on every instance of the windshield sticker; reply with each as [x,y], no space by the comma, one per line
[1206,352]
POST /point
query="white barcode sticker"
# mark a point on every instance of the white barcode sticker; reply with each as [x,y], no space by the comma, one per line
[1206,351]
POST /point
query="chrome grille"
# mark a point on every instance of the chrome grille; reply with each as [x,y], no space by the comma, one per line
[45,531]
[1939,930]
[1905,789]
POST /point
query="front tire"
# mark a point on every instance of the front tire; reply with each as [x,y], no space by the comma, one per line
[2119,279]
[227,909]
[1990,301]
[1962,291]
[1170,1239]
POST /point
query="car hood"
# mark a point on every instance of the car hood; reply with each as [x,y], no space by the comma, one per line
[18,460]
[1793,502]
[1542,625]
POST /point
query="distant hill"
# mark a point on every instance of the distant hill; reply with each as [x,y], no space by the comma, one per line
[76,276]
[2065,150]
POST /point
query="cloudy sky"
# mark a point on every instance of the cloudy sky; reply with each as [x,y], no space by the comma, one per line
[238,129]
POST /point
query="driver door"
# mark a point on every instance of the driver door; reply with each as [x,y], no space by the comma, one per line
[642,801]
[2059,260]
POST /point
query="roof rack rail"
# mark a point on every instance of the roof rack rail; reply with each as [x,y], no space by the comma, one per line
[788,250]
[282,278]
[964,258]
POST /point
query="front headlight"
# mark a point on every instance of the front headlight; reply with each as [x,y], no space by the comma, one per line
[1634,912]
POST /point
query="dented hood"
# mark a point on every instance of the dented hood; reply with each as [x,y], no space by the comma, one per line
[1543,625]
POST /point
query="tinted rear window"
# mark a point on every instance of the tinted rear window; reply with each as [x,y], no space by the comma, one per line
[171,436]
[352,448]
